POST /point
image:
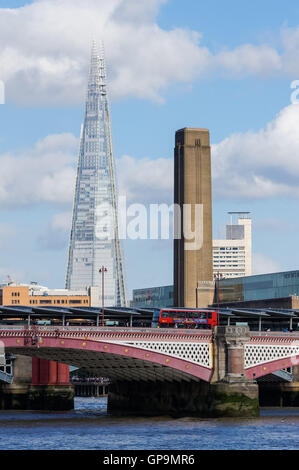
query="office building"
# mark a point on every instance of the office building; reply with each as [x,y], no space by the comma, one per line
[274,290]
[153,297]
[280,290]
[232,257]
[94,240]
[34,295]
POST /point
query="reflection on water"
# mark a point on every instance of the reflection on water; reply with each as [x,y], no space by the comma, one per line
[90,427]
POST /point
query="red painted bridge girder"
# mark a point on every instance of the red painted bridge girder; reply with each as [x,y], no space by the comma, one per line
[72,344]
[135,347]
[282,347]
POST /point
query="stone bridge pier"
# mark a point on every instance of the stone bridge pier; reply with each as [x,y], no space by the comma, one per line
[228,393]
[38,384]
[233,393]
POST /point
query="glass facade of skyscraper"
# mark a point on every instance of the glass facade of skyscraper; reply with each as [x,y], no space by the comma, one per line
[94,240]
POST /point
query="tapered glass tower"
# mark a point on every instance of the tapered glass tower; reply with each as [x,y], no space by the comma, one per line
[94,240]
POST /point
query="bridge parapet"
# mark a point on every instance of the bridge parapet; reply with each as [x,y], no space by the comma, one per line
[187,352]
[275,336]
[128,333]
[268,352]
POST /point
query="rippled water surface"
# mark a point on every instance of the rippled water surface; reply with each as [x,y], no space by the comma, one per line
[90,427]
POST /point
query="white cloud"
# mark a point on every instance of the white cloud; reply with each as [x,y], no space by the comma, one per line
[56,235]
[248,59]
[145,180]
[45,173]
[44,51]
[263,264]
[259,164]
[251,165]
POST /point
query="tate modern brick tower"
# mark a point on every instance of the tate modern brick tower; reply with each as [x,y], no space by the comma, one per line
[193,261]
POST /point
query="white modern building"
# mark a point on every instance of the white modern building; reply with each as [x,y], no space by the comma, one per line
[94,240]
[232,257]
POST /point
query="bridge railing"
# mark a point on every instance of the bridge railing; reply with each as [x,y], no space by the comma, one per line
[104,329]
[275,334]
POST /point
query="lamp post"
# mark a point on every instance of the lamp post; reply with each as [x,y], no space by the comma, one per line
[218,275]
[102,271]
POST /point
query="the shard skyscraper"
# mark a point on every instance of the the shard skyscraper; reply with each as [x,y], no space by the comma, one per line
[94,240]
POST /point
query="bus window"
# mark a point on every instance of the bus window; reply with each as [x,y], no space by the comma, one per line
[171,314]
[180,314]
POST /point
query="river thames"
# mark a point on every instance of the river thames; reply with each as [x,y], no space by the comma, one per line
[89,427]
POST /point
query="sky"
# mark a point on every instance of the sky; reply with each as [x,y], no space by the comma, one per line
[226,66]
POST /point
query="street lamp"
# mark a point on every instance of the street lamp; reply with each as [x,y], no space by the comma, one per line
[102,271]
[217,276]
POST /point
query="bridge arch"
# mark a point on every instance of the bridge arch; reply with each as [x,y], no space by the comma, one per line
[127,359]
[265,355]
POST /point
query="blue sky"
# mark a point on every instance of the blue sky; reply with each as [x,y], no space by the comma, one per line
[227,67]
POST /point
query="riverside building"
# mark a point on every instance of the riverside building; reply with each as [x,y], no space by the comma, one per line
[34,295]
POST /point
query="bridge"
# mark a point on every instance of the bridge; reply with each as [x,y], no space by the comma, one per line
[196,366]
[118,353]
[149,353]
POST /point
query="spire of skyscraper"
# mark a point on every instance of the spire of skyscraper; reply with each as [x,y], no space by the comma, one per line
[94,240]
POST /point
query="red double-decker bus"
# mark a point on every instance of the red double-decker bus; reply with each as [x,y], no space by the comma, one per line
[184,318]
